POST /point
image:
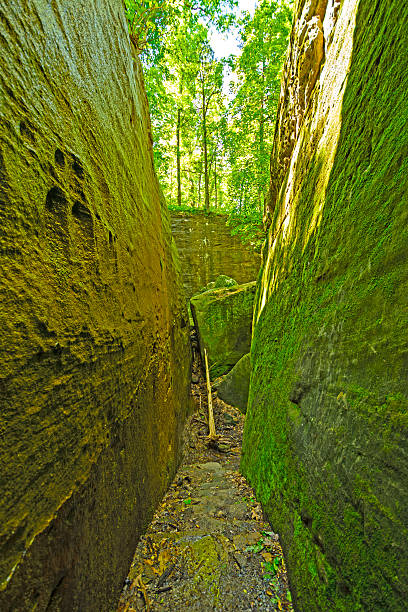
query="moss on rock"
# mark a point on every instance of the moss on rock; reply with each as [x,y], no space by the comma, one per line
[326,434]
[223,281]
[94,345]
[234,387]
[223,319]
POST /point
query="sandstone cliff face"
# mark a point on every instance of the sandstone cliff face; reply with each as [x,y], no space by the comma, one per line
[93,343]
[223,320]
[326,436]
[207,249]
[312,33]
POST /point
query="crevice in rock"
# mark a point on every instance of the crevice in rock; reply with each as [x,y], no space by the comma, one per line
[56,200]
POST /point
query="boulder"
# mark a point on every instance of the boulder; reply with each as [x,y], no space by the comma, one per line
[223,319]
[234,387]
[224,281]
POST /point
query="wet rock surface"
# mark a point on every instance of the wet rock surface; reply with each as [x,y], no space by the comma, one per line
[208,546]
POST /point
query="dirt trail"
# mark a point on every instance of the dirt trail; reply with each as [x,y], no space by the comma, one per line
[208,546]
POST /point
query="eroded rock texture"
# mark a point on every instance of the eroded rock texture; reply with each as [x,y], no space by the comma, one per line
[207,249]
[223,320]
[94,354]
[326,436]
[312,32]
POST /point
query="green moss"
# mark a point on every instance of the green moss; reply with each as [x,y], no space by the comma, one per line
[94,338]
[223,318]
[234,387]
[326,433]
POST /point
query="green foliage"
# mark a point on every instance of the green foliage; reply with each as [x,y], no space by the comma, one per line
[149,21]
[248,226]
[252,112]
[256,548]
[271,568]
[210,151]
[146,19]
[193,211]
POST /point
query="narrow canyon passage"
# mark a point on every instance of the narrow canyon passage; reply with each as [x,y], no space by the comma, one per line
[208,546]
[135,158]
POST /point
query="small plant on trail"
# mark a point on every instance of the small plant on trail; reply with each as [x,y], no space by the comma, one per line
[256,548]
[271,568]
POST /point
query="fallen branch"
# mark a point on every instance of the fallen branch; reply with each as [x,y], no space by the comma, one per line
[212,436]
[141,587]
[163,579]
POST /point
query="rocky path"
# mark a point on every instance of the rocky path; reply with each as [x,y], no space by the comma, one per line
[208,546]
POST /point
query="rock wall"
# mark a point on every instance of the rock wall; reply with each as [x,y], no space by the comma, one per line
[207,249]
[326,435]
[223,320]
[94,350]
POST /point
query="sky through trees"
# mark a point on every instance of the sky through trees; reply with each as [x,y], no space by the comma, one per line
[212,71]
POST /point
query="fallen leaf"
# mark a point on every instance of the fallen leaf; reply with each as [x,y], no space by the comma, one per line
[256,513]
[269,542]
[164,558]
[267,556]
[150,563]
[138,583]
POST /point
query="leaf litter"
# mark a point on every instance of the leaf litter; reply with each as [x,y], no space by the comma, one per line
[208,546]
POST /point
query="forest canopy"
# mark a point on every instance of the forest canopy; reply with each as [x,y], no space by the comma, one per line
[212,117]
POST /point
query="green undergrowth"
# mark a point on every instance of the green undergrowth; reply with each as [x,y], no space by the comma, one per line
[248,226]
[194,211]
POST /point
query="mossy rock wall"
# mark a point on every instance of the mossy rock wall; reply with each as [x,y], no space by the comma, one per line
[234,387]
[94,357]
[326,433]
[223,320]
[207,249]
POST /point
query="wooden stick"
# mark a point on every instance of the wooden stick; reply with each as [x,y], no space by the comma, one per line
[212,436]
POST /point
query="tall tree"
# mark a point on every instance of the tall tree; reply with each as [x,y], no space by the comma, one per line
[253,109]
[210,75]
[206,155]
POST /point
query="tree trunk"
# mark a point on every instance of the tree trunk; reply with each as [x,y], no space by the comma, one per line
[178,154]
[192,192]
[215,181]
[206,184]
[178,157]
